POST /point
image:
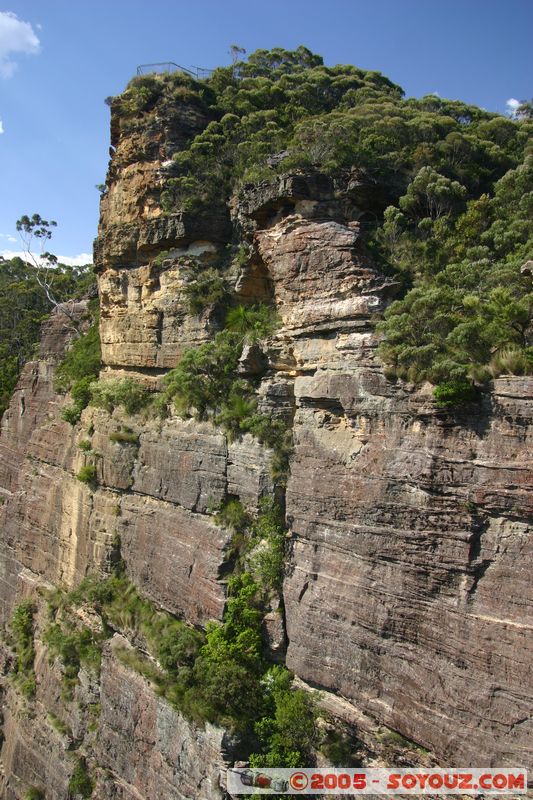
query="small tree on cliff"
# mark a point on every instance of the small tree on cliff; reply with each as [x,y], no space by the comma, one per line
[32,229]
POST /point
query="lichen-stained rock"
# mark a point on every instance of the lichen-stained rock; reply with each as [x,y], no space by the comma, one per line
[407,523]
[144,321]
[149,749]
[139,150]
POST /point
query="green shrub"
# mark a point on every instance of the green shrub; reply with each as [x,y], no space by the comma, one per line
[125,392]
[229,666]
[339,749]
[252,322]
[80,781]
[204,377]
[287,733]
[57,724]
[74,646]
[124,437]
[221,676]
[455,393]
[160,258]
[237,410]
[268,561]
[269,540]
[395,738]
[35,793]
[85,445]
[206,288]
[87,474]
[512,361]
[22,623]
[233,515]
[175,644]
[206,383]
[80,391]
[82,360]
[22,631]
[465,296]
[72,414]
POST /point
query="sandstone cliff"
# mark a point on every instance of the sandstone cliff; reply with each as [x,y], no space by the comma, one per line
[407,594]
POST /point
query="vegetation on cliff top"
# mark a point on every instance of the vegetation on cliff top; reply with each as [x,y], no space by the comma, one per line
[458,228]
[467,308]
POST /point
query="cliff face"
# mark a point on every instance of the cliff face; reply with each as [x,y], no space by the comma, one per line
[407,586]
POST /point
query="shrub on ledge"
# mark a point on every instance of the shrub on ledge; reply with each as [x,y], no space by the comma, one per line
[125,392]
[87,475]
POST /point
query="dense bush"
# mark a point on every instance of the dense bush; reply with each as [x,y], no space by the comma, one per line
[222,675]
[21,628]
[203,379]
[233,515]
[35,793]
[124,437]
[206,383]
[455,393]
[205,288]
[287,732]
[468,314]
[268,532]
[329,118]
[77,371]
[80,784]
[74,646]
[82,360]
[88,475]
[124,392]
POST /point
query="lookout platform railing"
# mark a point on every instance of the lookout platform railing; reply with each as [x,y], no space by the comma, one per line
[171,66]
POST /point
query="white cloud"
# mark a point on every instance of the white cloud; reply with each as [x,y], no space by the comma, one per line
[16,37]
[8,236]
[73,261]
[76,261]
[1,127]
[512,106]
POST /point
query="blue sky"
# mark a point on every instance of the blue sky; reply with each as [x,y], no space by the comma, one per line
[59,59]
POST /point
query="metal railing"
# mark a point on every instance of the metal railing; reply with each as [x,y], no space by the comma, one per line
[171,66]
